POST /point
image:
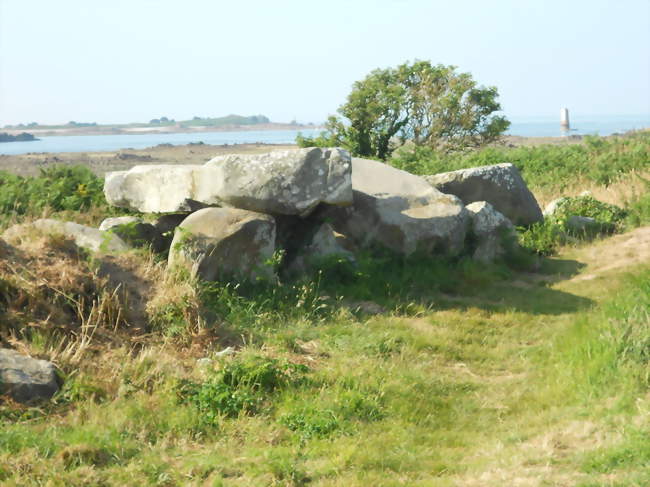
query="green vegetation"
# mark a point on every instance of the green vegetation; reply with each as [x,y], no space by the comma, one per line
[598,160]
[56,189]
[442,393]
[224,121]
[461,374]
[429,106]
[240,387]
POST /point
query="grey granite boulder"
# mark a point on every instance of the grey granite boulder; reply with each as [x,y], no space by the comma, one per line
[325,242]
[134,231]
[289,182]
[501,185]
[160,188]
[26,379]
[489,228]
[399,211]
[83,236]
[224,243]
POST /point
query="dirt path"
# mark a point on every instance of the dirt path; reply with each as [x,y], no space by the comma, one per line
[616,253]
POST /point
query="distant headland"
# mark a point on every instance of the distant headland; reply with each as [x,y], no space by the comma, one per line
[159,125]
[21,137]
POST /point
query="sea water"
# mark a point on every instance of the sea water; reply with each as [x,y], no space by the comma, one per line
[524,126]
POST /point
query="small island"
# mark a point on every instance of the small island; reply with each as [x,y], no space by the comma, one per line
[22,137]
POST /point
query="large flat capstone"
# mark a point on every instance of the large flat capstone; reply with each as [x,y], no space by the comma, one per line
[400,211]
[291,182]
[501,185]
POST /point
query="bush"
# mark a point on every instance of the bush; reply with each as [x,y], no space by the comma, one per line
[432,106]
[240,387]
[73,188]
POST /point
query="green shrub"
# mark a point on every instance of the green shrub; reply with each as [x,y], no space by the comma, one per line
[545,237]
[60,188]
[240,387]
[312,422]
[608,217]
[600,160]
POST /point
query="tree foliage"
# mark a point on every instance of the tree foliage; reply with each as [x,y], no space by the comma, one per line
[432,106]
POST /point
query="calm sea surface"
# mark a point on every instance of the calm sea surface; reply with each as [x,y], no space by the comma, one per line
[530,127]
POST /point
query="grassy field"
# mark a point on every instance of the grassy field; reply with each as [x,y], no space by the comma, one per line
[415,371]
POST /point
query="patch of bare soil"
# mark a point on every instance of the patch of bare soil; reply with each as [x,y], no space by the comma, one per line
[628,250]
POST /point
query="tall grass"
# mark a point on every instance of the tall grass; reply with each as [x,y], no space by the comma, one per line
[599,160]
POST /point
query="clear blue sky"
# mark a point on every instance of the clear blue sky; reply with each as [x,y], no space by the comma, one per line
[133,60]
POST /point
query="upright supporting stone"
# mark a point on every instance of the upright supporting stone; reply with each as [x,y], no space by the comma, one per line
[564,119]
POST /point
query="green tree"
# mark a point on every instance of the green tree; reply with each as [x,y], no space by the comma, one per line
[432,106]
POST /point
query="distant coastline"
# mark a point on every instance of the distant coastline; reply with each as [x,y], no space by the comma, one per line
[162,125]
[167,129]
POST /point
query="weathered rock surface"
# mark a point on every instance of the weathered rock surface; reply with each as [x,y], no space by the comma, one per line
[325,242]
[221,243]
[501,185]
[554,205]
[328,242]
[26,379]
[158,188]
[290,182]
[400,211]
[489,228]
[134,231]
[83,236]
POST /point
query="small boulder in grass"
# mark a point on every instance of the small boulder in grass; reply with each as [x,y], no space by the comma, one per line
[83,236]
[26,379]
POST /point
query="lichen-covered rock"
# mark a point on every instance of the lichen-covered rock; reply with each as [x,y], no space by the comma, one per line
[289,182]
[489,228]
[83,236]
[400,211]
[224,243]
[501,185]
[134,231]
[160,188]
[26,379]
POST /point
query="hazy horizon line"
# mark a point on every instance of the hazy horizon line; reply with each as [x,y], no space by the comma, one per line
[573,115]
